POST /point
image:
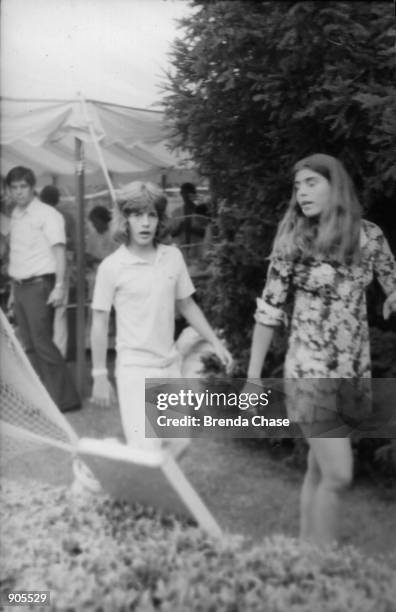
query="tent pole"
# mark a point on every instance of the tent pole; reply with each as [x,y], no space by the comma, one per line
[80,314]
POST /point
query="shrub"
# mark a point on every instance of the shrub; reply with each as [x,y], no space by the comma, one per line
[99,555]
[383,351]
[258,85]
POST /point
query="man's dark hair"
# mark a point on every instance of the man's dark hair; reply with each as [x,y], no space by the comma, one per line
[50,195]
[20,173]
[187,188]
[100,216]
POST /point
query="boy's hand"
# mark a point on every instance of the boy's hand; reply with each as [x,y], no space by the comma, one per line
[103,392]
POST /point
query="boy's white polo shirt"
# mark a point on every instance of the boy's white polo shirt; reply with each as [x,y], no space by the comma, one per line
[143,295]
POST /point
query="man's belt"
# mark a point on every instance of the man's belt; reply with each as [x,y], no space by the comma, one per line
[33,279]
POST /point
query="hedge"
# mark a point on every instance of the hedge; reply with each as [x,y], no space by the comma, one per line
[94,554]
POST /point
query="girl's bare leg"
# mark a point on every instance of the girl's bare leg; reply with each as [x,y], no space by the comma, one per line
[334,459]
[308,496]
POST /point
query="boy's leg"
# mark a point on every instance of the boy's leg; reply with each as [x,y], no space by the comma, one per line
[176,446]
[131,398]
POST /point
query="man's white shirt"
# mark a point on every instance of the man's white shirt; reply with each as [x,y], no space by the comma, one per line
[34,230]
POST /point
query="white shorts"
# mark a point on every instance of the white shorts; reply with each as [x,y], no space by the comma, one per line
[131,398]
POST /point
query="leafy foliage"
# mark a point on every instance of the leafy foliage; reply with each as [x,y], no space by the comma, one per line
[97,555]
[258,85]
[383,351]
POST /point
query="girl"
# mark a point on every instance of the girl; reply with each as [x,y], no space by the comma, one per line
[326,255]
[144,281]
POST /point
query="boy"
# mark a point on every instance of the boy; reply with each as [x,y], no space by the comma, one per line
[145,281]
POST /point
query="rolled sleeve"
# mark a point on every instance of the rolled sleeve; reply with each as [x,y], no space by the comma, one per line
[384,262]
[268,315]
[54,227]
[103,295]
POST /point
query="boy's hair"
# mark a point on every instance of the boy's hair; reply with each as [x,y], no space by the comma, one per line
[336,232]
[100,216]
[138,196]
[20,173]
[50,195]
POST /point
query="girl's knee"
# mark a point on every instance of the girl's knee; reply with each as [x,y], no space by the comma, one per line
[334,458]
[338,478]
[313,469]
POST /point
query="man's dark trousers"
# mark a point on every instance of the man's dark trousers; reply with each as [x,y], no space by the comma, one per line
[34,318]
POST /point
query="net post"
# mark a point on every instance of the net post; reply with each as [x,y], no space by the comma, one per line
[80,313]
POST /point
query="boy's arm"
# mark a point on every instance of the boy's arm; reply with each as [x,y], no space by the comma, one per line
[99,331]
[102,391]
[195,317]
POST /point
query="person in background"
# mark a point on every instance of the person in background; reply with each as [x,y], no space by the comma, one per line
[37,264]
[325,255]
[99,242]
[50,195]
[145,281]
[164,235]
[189,222]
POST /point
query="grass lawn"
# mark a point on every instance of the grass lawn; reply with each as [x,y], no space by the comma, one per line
[248,490]
[253,493]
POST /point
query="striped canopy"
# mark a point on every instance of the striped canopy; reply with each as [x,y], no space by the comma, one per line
[41,134]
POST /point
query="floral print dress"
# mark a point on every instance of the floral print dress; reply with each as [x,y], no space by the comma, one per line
[329,337]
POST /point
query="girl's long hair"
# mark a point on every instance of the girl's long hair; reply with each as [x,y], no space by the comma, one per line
[138,196]
[335,234]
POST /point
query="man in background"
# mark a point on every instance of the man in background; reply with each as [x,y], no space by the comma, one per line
[37,263]
[188,223]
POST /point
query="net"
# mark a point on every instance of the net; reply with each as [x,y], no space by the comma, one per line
[29,419]
[38,442]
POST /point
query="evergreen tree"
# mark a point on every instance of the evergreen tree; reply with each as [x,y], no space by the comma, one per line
[258,85]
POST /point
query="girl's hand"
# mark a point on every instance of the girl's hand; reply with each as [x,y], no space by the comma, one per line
[103,393]
[224,355]
[389,306]
[252,386]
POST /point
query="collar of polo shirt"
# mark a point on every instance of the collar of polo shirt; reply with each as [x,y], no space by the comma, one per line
[128,257]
